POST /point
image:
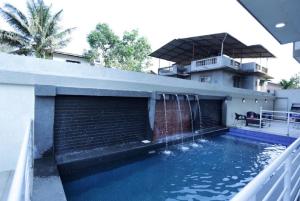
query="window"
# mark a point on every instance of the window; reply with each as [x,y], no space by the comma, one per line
[205,79]
[236,81]
[72,61]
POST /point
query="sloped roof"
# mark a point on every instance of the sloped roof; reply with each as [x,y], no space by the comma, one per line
[187,49]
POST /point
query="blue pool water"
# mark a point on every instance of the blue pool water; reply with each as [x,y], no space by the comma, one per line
[216,170]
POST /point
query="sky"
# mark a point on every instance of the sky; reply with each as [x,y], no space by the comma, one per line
[161,21]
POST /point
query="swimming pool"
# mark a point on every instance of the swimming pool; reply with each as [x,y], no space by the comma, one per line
[216,170]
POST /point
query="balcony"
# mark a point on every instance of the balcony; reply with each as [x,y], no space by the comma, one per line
[170,70]
[214,63]
[254,67]
[175,70]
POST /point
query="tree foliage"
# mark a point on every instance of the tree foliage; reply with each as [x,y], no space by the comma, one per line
[292,83]
[38,33]
[128,53]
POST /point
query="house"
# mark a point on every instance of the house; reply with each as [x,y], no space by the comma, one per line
[214,59]
[69,57]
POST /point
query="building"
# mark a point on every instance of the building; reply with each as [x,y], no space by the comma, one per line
[69,57]
[284,26]
[214,59]
[272,87]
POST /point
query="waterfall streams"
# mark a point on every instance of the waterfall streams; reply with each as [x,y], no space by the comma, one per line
[192,121]
[166,125]
[181,127]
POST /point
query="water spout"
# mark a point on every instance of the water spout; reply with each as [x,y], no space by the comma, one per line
[199,111]
[166,126]
[183,148]
[192,122]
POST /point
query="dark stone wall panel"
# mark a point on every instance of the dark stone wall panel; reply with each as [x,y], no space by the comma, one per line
[86,122]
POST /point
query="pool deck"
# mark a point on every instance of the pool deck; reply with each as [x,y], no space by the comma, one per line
[277,128]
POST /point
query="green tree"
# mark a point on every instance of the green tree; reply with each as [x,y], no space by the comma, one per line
[102,42]
[128,53]
[39,33]
[292,83]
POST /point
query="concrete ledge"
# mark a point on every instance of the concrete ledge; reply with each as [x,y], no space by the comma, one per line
[47,185]
[100,92]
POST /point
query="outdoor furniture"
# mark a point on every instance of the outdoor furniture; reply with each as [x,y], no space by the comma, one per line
[253,118]
[239,118]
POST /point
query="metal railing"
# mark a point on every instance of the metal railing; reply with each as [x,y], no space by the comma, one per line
[21,187]
[290,119]
[278,181]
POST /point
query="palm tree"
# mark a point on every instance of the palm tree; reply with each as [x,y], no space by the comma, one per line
[38,33]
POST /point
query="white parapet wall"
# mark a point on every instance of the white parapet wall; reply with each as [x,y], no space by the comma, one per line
[16,110]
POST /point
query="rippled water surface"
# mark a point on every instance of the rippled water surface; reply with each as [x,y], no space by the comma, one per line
[216,170]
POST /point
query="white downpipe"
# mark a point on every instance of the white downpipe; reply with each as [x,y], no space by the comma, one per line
[250,191]
[223,44]
[18,186]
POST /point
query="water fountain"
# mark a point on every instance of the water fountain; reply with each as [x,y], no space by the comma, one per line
[168,152]
[183,148]
[192,123]
[200,119]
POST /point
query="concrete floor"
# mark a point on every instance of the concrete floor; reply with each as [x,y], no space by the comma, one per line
[275,127]
[5,182]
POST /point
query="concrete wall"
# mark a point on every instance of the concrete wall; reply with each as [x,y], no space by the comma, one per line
[291,96]
[16,110]
[237,105]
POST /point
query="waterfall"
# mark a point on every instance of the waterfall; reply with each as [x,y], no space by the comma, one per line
[180,117]
[192,123]
[166,125]
[199,110]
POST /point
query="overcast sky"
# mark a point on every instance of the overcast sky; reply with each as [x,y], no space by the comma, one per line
[163,20]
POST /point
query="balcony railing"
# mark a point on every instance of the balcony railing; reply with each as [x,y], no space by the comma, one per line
[213,63]
[253,67]
[170,70]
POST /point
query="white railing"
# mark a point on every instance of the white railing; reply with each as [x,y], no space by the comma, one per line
[291,120]
[214,62]
[21,187]
[278,181]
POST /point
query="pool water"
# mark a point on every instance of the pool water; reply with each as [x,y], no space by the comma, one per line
[216,170]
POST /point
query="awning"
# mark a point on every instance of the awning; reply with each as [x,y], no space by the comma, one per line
[188,49]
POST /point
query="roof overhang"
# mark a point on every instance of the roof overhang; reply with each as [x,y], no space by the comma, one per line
[188,49]
[270,13]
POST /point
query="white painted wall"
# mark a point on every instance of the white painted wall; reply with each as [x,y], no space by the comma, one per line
[236,105]
[16,110]
[292,95]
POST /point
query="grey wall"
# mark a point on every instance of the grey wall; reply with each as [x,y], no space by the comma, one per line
[286,98]
[87,122]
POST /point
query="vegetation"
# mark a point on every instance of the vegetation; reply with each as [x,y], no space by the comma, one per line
[128,53]
[37,34]
[292,83]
